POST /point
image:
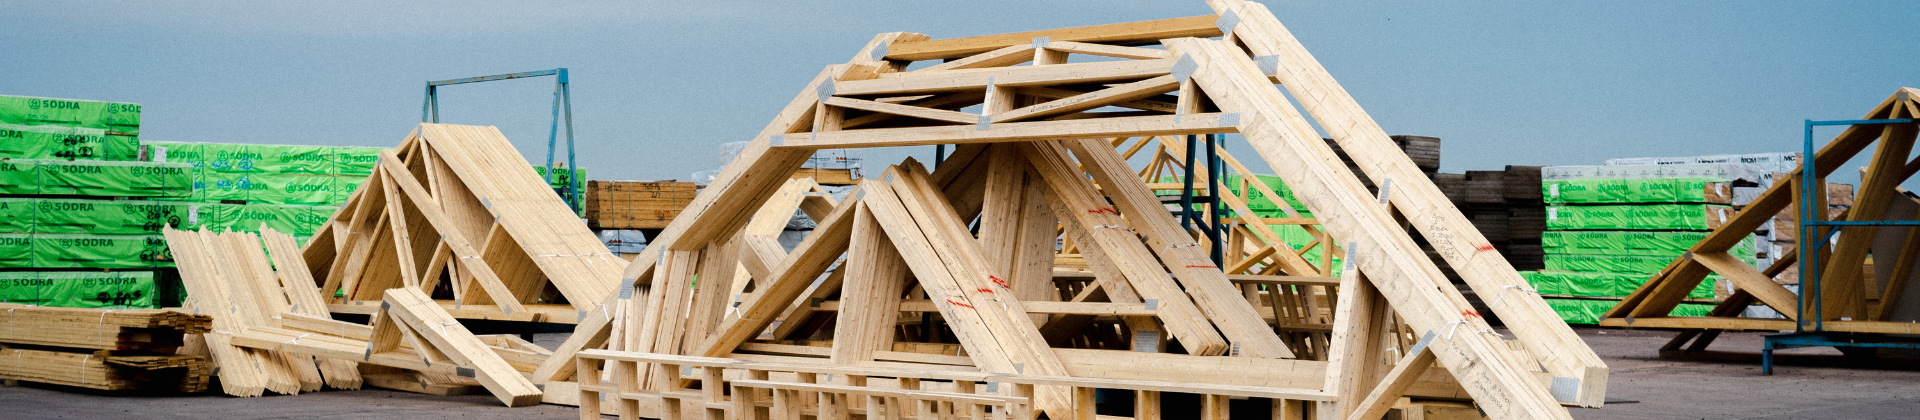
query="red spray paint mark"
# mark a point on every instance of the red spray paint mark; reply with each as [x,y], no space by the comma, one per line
[1471,313]
[985,290]
[1202,266]
[957,303]
[1485,248]
[997,280]
[1105,210]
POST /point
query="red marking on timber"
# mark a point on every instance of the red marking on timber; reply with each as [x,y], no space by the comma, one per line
[963,305]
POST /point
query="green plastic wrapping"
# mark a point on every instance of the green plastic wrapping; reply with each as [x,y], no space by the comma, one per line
[103,179]
[290,160]
[306,190]
[100,251]
[20,177]
[16,250]
[1567,283]
[1606,263]
[115,290]
[344,186]
[1588,311]
[67,143]
[299,221]
[100,217]
[123,118]
[215,186]
[1633,243]
[1637,217]
[177,152]
[356,160]
[1604,191]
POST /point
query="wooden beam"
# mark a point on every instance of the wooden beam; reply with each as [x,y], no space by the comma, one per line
[1130,33]
[1381,399]
[448,336]
[875,283]
[919,82]
[1211,123]
[1091,100]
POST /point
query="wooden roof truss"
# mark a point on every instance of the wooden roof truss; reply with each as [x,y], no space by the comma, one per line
[1035,161]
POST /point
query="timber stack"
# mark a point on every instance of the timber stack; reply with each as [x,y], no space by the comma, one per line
[103,349]
[636,204]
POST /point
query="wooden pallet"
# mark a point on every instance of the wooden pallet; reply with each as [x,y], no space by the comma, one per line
[438,216]
[1040,163]
[1852,300]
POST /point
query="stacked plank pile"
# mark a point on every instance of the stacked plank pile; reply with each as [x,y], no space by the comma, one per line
[636,204]
[949,279]
[103,349]
[1608,235]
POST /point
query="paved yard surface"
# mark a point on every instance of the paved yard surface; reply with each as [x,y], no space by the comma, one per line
[1664,389]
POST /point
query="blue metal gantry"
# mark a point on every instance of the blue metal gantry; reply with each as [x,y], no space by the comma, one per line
[1810,240]
[562,110]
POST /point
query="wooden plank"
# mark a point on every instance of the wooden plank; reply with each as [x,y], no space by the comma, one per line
[1090,100]
[1202,123]
[447,335]
[1381,399]
[905,110]
[920,82]
[875,282]
[1137,33]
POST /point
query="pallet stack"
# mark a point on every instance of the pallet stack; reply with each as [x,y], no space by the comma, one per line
[636,204]
[79,216]
[102,349]
[1611,228]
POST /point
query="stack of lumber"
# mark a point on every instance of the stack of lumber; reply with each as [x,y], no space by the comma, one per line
[636,204]
[102,349]
[105,371]
[954,269]
[159,331]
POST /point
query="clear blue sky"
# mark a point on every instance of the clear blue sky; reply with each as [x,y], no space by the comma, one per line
[659,85]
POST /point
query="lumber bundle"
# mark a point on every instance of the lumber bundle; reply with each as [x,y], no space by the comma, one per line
[926,273]
[159,331]
[1857,293]
[636,204]
[103,349]
[438,215]
[107,372]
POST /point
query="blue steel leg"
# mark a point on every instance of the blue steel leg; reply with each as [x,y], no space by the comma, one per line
[1766,357]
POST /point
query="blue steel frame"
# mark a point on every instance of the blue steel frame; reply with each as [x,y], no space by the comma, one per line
[562,107]
[1810,240]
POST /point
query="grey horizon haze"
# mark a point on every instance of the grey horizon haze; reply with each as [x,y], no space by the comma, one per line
[658,86]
